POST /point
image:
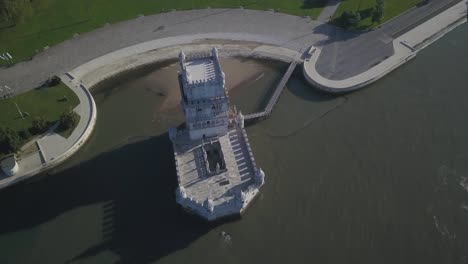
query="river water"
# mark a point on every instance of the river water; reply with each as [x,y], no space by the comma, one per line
[375,176]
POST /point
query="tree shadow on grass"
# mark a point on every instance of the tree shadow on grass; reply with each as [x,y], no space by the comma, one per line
[333,34]
[309,4]
[135,183]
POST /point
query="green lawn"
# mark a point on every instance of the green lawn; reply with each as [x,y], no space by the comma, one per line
[48,22]
[46,102]
[392,9]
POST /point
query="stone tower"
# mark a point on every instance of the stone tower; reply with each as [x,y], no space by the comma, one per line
[204,99]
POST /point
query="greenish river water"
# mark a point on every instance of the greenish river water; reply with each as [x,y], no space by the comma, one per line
[375,176]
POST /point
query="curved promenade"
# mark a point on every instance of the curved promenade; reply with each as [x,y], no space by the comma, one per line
[405,49]
[53,148]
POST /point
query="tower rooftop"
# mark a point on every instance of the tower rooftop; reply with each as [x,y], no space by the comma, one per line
[201,70]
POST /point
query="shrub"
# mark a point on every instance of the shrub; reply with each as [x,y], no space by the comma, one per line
[368,12]
[54,81]
[378,13]
[51,82]
[10,141]
[39,125]
[350,19]
[14,10]
[68,120]
[25,134]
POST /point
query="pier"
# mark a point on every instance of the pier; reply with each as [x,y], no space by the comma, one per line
[274,98]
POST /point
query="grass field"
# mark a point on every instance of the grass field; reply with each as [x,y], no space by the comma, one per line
[392,9]
[46,102]
[48,22]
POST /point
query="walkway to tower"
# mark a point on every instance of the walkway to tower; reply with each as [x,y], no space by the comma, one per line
[274,98]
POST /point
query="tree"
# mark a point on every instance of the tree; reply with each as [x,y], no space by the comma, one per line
[52,81]
[9,140]
[14,9]
[39,125]
[378,11]
[4,14]
[350,19]
[68,120]
[25,134]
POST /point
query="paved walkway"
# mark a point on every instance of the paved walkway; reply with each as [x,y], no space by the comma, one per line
[53,148]
[265,27]
[328,11]
[405,48]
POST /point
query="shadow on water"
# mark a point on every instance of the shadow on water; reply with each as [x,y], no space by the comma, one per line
[135,183]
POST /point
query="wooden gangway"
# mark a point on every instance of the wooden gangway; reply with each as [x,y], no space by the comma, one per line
[276,94]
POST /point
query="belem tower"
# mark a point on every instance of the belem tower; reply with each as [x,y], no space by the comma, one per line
[216,170]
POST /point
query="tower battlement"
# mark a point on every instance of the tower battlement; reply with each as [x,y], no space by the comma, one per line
[201,69]
[204,98]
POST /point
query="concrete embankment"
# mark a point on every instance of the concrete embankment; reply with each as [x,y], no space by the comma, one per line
[405,48]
